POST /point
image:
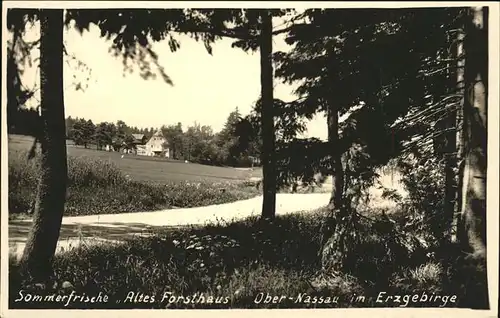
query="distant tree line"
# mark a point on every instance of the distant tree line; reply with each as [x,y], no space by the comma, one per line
[196,143]
[85,133]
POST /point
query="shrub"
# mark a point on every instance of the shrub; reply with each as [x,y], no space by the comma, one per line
[93,172]
[369,244]
[423,209]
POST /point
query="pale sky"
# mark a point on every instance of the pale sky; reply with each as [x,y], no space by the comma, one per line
[206,87]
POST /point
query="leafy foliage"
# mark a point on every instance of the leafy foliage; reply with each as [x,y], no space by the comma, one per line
[345,63]
[174,136]
[83,132]
[105,134]
[350,61]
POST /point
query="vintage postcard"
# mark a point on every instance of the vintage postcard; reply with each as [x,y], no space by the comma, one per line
[298,158]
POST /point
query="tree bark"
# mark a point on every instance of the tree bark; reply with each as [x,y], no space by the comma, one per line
[475,104]
[450,144]
[51,191]
[336,159]
[333,251]
[460,138]
[472,221]
[267,118]
[13,86]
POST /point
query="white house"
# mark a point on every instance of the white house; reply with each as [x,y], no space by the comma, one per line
[157,145]
[141,150]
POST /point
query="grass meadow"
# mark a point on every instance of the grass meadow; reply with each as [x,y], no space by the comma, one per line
[102,182]
[151,169]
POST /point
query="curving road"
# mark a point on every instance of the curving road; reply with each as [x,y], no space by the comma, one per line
[119,227]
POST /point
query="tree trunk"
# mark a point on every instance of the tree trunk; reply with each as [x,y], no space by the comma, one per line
[51,192]
[267,118]
[475,135]
[450,144]
[333,252]
[472,226]
[336,157]
[460,137]
[13,87]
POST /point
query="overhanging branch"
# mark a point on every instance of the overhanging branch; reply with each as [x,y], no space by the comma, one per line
[231,32]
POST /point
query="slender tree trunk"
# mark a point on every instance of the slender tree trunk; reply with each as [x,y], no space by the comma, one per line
[450,145]
[267,118]
[475,134]
[333,251]
[472,224]
[460,138]
[13,87]
[336,157]
[450,183]
[51,192]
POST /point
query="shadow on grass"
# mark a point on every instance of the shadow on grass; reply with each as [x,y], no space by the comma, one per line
[234,263]
[112,231]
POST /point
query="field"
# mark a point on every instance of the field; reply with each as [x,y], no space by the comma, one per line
[101,182]
[142,168]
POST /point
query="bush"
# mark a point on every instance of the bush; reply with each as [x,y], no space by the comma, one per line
[421,211]
[93,172]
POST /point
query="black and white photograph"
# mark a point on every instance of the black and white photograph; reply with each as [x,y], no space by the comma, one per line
[250,155]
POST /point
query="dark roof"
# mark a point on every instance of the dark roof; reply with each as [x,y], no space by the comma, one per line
[138,136]
[158,133]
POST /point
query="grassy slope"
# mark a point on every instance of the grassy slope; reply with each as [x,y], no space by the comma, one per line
[141,168]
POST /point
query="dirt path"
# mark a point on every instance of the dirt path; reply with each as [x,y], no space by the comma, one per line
[119,227]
